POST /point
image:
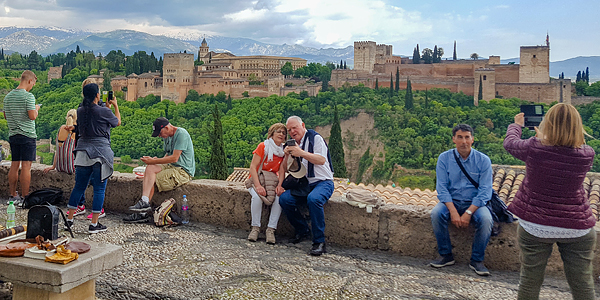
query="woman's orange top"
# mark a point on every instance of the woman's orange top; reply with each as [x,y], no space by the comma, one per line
[270,166]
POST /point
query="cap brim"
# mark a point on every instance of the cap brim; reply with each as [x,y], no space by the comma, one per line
[297,173]
[156,133]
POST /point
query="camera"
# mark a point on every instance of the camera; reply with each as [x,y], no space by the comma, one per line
[534,114]
[290,142]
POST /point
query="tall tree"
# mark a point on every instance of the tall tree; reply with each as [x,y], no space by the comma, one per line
[397,87]
[324,86]
[376,83]
[578,76]
[427,56]
[106,84]
[454,54]
[480,93]
[440,53]
[77,50]
[344,65]
[408,98]
[587,74]
[336,147]
[435,54]
[287,69]
[218,160]
[416,55]
[426,99]
[229,103]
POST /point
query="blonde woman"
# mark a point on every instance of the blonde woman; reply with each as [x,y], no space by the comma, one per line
[551,203]
[270,154]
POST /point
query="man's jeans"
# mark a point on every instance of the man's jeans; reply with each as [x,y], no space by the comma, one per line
[84,175]
[320,192]
[481,218]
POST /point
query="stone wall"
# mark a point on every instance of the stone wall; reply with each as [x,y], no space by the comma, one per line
[405,230]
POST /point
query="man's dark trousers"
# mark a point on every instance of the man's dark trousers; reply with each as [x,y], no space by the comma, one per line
[320,192]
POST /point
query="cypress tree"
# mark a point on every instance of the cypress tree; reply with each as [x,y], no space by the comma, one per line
[324,86]
[426,99]
[408,98]
[436,59]
[229,103]
[376,83]
[454,54]
[341,64]
[480,94]
[397,80]
[578,76]
[344,65]
[587,74]
[2,54]
[218,160]
[336,147]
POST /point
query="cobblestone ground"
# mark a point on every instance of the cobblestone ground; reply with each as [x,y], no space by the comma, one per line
[201,261]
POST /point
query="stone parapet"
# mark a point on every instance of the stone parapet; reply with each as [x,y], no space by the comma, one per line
[404,229]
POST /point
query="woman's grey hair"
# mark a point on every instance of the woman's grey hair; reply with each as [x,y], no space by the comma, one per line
[294,118]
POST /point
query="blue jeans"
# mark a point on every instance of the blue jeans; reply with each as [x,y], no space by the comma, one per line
[320,192]
[83,176]
[481,218]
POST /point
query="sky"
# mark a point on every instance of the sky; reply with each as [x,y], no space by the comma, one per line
[482,27]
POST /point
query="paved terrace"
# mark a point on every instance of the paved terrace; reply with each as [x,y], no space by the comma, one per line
[203,261]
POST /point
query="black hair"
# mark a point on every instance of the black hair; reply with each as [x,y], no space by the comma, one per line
[462,127]
[90,91]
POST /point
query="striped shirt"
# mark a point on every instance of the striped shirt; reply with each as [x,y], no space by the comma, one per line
[16,105]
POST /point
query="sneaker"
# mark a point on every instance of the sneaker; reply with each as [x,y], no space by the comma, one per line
[102,215]
[270,236]
[17,201]
[80,210]
[442,261]
[140,206]
[95,229]
[253,236]
[70,224]
[479,268]
[137,218]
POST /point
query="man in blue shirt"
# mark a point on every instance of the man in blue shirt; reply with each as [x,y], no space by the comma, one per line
[460,201]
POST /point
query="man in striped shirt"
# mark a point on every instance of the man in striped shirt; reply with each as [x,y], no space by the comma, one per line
[20,111]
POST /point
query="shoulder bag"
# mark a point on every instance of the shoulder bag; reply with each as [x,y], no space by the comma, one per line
[263,177]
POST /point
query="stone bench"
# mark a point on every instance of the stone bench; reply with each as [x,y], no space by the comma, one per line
[40,280]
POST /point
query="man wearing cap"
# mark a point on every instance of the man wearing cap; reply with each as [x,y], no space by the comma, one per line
[314,156]
[176,168]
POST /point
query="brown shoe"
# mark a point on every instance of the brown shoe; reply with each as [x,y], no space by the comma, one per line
[270,235]
[253,236]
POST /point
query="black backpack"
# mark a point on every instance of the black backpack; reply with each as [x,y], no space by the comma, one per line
[46,195]
[43,220]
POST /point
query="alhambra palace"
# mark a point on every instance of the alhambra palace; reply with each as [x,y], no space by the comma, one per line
[530,80]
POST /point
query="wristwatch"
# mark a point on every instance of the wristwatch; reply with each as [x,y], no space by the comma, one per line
[470,213]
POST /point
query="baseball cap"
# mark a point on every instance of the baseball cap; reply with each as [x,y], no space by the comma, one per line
[158,125]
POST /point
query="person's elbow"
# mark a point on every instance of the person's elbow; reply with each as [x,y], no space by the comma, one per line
[32,114]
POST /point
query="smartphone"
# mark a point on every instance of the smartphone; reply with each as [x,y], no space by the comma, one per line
[40,104]
[110,95]
[534,114]
[104,96]
[290,142]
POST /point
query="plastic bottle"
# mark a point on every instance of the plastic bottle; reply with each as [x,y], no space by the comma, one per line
[185,213]
[10,211]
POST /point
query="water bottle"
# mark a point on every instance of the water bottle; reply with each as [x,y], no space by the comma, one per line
[10,211]
[185,213]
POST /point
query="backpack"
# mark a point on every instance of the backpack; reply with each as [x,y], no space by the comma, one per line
[46,195]
[43,220]
[164,216]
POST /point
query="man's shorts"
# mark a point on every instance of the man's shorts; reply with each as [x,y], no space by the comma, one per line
[22,148]
[171,177]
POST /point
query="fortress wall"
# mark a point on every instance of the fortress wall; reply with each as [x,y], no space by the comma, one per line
[506,73]
[405,230]
[535,92]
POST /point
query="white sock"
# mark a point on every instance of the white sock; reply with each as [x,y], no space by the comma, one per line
[70,220]
[94,224]
[145,199]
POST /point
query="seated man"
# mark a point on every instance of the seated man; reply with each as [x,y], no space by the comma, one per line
[317,161]
[460,202]
[176,168]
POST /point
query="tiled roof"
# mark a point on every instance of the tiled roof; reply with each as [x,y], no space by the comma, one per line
[507,180]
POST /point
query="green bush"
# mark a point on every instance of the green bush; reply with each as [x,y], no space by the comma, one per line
[126,159]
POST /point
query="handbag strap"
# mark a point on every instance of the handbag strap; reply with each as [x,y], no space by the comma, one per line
[263,160]
[64,219]
[462,168]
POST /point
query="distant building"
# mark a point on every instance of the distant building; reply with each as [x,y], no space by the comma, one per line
[55,73]
[529,80]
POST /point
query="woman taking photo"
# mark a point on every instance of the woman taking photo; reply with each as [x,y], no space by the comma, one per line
[267,160]
[551,203]
[93,155]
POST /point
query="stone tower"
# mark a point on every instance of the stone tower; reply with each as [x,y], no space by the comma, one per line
[487,76]
[534,66]
[364,56]
[178,75]
[203,50]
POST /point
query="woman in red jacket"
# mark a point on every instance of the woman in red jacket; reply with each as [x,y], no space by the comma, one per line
[551,203]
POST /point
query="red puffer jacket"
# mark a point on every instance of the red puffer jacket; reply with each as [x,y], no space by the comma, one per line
[552,193]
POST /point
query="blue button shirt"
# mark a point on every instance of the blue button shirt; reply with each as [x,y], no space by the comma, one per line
[453,184]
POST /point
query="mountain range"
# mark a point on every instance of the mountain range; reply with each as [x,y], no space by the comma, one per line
[48,40]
